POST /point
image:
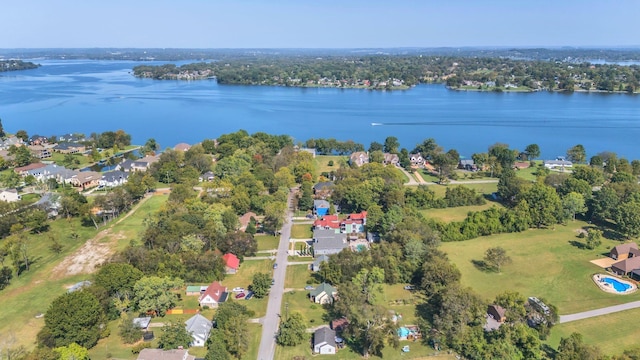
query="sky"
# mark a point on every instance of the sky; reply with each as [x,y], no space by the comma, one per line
[317,23]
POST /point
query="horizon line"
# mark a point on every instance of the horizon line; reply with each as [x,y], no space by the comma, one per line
[613,47]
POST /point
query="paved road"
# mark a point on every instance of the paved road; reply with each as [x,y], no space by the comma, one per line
[598,312]
[271,320]
[412,181]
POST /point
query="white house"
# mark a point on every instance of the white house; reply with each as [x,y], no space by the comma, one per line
[9,195]
[199,327]
[324,341]
[558,163]
[215,294]
[113,178]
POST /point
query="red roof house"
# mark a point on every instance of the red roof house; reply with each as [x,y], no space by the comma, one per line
[215,294]
[232,263]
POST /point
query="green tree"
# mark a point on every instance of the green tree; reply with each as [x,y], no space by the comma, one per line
[260,285]
[627,217]
[391,144]
[306,199]
[496,257]
[117,277]
[174,335]
[2,133]
[72,351]
[573,203]
[128,331]
[573,348]
[216,346]
[532,151]
[594,238]
[231,319]
[368,282]
[274,216]
[5,276]
[292,330]
[22,134]
[74,317]
[152,293]
[544,204]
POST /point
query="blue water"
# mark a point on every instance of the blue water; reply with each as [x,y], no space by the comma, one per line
[617,285]
[95,96]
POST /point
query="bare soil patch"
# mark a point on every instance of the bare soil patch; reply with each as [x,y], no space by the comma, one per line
[92,254]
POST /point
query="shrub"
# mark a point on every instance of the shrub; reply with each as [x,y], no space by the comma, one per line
[136,349]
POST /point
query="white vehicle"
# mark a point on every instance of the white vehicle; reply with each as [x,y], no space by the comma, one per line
[238,290]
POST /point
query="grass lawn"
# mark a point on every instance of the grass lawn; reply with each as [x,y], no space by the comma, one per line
[23,298]
[400,301]
[244,276]
[322,163]
[255,332]
[301,231]
[267,242]
[545,264]
[58,158]
[133,227]
[620,333]
[113,347]
[458,213]
[481,188]
[297,276]
[428,177]
[298,301]
[527,173]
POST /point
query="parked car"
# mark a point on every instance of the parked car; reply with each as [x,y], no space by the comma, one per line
[273,281]
[275,266]
[409,287]
[249,295]
[240,295]
[309,287]
[238,290]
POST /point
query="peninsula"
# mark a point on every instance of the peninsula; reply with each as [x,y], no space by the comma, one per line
[13,65]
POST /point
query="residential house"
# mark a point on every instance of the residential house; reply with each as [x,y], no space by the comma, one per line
[138,165]
[354,223]
[113,178]
[624,251]
[182,147]
[323,190]
[311,151]
[38,140]
[416,159]
[86,179]
[558,163]
[324,341]
[321,207]
[497,312]
[467,164]
[72,138]
[626,266]
[318,261]
[327,242]
[69,148]
[246,219]
[359,158]
[142,322]
[323,294]
[521,165]
[125,165]
[199,327]
[10,195]
[40,151]
[11,141]
[51,171]
[214,295]
[231,263]
[159,354]
[327,222]
[391,159]
[208,177]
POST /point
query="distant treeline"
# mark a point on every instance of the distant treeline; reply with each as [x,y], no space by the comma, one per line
[396,72]
[11,65]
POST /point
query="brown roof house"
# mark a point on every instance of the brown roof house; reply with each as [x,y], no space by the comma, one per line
[182,147]
[359,158]
[496,316]
[626,266]
[86,179]
[624,251]
[214,295]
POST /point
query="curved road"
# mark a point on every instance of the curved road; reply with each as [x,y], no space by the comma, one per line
[271,320]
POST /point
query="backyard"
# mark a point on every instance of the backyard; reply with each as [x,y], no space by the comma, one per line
[322,163]
[301,231]
[457,213]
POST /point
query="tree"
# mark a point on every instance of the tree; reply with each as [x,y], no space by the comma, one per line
[375,146]
[496,257]
[2,133]
[573,348]
[174,335]
[391,144]
[368,282]
[306,199]
[154,294]
[72,351]
[532,151]
[292,330]
[594,237]
[577,154]
[274,216]
[260,285]
[545,205]
[150,147]
[231,319]
[573,203]
[5,276]
[74,317]
[216,346]
[128,330]
[117,277]
[22,134]
[627,217]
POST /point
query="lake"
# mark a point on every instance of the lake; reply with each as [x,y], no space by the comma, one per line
[95,96]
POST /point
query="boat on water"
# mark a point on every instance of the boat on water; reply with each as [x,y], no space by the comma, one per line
[376,124]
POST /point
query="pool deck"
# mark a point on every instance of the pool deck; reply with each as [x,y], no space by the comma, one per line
[608,288]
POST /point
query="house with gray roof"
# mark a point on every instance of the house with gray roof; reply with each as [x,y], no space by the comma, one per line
[199,327]
[52,171]
[113,178]
[318,261]
[142,322]
[558,163]
[323,294]
[327,242]
[125,165]
[9,141]
[324,341]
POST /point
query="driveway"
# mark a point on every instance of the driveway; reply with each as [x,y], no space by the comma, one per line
[272,318]
[598,312]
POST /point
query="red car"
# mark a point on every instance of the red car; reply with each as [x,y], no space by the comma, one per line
[240,295]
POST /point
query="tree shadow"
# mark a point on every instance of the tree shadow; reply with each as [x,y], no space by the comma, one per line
[613,235]
[578,244]
[483,266]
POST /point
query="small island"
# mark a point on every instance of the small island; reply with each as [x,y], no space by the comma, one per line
[14,65]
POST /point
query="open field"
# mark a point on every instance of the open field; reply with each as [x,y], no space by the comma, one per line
[545,264]
[267,242]
[481,188]
[458,213]
[58,158]
[297,277]
[322,163]
[244,277]
[620,333]
[301,231]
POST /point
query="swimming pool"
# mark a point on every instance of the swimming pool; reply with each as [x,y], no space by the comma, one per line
[617,285]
